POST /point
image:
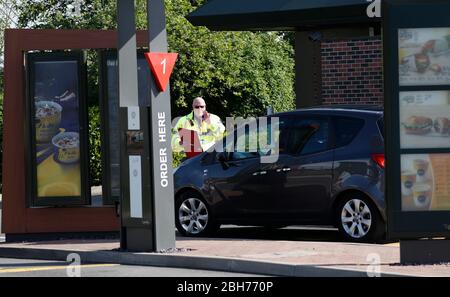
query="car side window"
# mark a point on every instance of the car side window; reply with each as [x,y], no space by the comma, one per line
[308,136]
[257,140]
[346,129]
[273,142]
[245,143]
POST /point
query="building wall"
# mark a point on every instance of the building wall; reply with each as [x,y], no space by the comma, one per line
[352,71]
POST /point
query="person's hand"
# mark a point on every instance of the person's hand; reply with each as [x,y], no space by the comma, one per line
[207,118]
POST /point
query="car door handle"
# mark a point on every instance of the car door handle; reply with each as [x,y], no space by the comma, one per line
[260,173]
[286,169]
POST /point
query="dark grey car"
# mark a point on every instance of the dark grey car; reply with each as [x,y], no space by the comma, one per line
[330,171]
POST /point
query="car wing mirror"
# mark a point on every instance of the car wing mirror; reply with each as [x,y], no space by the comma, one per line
[223,159]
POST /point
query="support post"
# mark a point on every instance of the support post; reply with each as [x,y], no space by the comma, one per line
[160,122]
[137,220]
[308,69]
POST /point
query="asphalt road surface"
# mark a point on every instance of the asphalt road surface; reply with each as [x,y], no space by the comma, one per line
[34,268]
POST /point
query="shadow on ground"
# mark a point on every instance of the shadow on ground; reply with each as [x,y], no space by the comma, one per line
[315,234]
[261,233]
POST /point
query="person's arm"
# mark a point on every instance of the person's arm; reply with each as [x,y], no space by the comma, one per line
[216,127]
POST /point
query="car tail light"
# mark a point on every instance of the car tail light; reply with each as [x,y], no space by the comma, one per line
[379,159]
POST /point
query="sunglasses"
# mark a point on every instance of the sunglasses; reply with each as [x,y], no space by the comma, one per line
[199,106]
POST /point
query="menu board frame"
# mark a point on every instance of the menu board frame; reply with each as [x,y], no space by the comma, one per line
[34,200]
[398,15]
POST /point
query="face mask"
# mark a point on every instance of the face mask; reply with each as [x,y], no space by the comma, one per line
[198,113]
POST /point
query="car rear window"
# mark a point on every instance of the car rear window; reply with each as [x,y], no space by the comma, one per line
[347,129]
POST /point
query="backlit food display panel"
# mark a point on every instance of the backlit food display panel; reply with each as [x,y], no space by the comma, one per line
[424,56]
[425,119]
[424,182]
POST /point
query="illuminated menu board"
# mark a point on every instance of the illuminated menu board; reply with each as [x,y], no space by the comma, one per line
[57,117]
[417,117]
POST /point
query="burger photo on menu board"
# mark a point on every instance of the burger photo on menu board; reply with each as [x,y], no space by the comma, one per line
[418,125]
[442,126]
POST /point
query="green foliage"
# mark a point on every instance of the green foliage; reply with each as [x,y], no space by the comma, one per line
[54,14]
[238,73]
[177,159]
[95,154]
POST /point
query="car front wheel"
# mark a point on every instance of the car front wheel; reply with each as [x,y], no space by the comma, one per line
[193,216]
[359,219]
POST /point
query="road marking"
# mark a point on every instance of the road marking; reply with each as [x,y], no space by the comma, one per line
[46,268]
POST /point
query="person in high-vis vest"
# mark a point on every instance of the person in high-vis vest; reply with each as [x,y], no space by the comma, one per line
[208,126]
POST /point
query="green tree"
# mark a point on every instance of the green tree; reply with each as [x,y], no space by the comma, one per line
[238,73]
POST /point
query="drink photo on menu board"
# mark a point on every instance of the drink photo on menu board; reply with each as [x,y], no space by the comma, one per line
[56,114]
[424,182]
[424,56]
[425,119]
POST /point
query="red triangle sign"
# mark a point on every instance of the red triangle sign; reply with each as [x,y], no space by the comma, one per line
[161,65]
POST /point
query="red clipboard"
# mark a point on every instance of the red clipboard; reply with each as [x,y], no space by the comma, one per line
[190,142]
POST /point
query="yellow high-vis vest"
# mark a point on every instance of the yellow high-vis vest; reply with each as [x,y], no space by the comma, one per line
[209,134]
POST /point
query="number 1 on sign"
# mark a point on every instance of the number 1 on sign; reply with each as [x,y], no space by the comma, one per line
[164,62]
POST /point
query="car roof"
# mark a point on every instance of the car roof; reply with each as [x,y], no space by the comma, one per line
[375,110]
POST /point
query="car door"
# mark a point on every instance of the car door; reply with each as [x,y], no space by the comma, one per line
[305,167]
[236,179]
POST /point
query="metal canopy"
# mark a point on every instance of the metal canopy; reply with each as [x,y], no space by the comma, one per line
[280,14]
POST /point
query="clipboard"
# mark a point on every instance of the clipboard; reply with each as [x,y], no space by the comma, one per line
[190,142]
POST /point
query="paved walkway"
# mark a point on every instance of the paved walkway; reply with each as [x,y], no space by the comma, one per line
[340,256]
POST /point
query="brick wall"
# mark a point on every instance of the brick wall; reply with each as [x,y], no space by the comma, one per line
[352,71]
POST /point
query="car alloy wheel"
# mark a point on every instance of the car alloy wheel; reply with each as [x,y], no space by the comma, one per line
[193,216]
[356,218]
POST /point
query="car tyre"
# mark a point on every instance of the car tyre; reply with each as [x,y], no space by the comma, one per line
[359,220]
[193,216]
